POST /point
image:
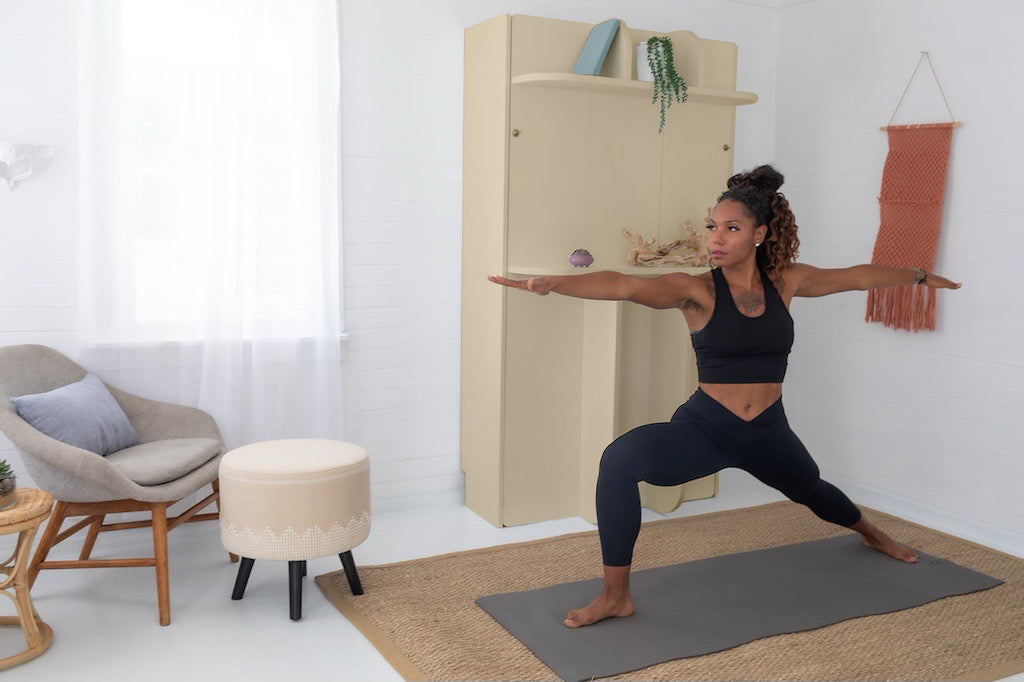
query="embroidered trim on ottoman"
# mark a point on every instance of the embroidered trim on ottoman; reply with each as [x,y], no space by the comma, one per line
[291,545]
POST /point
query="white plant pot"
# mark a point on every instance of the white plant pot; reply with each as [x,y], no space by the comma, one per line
[643,69]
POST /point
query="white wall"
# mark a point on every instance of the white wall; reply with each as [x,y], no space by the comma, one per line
[929,426]
[402,175]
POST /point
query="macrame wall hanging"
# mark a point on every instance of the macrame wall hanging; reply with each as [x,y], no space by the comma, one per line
[910,208]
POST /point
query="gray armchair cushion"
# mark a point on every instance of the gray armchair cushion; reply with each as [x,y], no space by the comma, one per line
[163,461]
[72,474]
[83,414]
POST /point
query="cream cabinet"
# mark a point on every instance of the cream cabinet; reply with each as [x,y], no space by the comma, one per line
[553,162]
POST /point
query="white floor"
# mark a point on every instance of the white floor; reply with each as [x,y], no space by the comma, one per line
[105,620]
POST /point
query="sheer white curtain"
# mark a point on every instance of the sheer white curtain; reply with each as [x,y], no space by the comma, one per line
[210,207]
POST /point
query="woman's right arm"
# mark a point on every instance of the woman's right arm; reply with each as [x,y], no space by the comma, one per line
[665,291]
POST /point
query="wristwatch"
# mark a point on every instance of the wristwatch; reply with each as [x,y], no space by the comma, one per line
[920,275]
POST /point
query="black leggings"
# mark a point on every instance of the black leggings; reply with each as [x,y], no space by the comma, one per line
[702,438]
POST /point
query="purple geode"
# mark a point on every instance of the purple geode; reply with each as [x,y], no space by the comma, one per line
[580,258]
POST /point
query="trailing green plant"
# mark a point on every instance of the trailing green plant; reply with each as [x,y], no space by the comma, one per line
[668,84]
[5,469]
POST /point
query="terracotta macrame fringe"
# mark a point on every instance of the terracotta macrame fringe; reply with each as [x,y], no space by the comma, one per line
[910,206]
[907,307]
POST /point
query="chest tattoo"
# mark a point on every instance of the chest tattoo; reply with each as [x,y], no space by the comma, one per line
[750,302]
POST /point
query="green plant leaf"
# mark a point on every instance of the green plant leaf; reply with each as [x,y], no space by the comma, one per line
[668,84]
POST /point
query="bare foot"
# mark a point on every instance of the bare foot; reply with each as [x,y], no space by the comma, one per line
[884,543]
[599,609]
[875,538]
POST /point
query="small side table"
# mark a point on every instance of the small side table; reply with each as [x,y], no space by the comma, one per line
[24,518]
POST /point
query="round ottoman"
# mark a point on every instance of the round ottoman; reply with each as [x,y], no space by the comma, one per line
[293,500]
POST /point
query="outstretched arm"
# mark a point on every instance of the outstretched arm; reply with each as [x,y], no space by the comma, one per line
[666,291]
[807,280]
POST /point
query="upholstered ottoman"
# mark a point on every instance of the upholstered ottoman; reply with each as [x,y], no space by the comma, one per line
[294,500]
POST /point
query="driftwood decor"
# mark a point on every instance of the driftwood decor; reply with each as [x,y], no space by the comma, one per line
[647,252]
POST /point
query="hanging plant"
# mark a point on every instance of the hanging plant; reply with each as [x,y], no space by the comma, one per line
[668,85]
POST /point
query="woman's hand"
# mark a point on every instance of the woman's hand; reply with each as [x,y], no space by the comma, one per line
[937,282]
[538,285]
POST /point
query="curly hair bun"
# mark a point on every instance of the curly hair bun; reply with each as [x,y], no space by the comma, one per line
[762,177]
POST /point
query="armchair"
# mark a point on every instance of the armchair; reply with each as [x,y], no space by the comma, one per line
[179,452]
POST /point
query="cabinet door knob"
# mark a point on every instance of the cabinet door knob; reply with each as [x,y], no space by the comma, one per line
[725,147]
[515,132]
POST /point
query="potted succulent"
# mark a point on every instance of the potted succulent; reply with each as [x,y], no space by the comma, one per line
[8,486]
[668,84]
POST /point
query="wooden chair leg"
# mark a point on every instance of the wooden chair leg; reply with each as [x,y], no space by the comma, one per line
[90,538]
[303,569]
[60,510]
[233,558]
[160,554]
[295,589]
[349,564]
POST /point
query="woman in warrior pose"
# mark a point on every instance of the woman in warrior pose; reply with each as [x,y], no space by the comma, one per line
[741,330]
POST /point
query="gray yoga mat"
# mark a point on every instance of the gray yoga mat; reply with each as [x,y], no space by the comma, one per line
[704,606]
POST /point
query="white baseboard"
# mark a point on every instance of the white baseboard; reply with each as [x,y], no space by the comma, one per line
[430,493]
[933,517]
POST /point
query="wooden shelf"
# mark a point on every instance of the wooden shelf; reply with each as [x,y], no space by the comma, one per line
[622,86]
[534,270]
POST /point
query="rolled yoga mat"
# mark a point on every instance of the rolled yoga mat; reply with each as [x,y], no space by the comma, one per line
[704,606]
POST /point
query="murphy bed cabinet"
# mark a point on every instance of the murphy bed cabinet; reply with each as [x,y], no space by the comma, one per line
[553,162]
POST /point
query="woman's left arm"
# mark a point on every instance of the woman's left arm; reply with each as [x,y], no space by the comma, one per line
[807,280]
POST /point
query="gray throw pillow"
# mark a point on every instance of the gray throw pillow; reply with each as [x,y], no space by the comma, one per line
[83,414]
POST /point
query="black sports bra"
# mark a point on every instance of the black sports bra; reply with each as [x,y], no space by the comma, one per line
[735,349]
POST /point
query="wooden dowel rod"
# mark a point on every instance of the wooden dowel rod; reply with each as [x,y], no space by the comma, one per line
[98,563]
[191,511]
[956,124]
[126,525]
[64,535]
[211,516]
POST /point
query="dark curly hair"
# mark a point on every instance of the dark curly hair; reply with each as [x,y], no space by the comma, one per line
[758,191]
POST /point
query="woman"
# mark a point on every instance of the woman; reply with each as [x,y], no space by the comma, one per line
[738,315]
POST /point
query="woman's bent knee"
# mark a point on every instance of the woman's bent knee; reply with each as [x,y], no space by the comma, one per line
[617,460]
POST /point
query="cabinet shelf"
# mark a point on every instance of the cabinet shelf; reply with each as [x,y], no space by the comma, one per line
[535,270]
[622,86]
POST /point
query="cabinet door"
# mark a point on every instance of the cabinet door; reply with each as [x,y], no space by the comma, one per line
[549,161]
[695,163]
[540,459]
[625,176]
[548,179]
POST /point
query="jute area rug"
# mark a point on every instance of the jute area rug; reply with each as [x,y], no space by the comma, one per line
[422,617]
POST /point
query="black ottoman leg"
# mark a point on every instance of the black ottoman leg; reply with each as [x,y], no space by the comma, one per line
[295,589]
[349,564]
[242,579]
[303,569]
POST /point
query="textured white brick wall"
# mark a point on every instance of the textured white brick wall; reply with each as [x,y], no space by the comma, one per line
[38,221]
[930,425]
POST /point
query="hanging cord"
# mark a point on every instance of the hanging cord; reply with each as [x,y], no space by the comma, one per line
[924,55]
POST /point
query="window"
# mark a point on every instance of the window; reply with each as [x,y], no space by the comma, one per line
[209,170]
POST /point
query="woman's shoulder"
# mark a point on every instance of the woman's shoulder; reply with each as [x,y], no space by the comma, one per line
[790,276]
[796,271]
[701,289]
